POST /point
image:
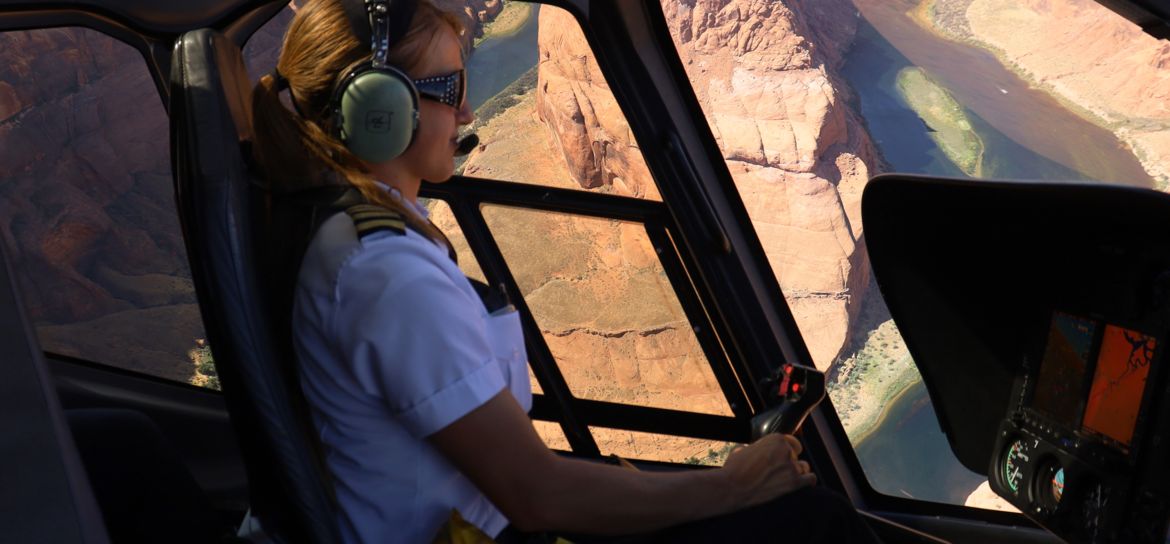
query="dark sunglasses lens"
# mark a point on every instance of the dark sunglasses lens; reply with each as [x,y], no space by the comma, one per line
[449,89]
[462,87]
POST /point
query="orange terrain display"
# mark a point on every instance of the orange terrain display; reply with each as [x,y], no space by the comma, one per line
[1118,383]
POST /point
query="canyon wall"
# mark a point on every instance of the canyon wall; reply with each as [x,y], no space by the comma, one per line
[87,212]
[1092,58]
[765,74]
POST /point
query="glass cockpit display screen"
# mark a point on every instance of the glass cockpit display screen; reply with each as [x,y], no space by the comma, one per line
[1060,385]
[1119,380]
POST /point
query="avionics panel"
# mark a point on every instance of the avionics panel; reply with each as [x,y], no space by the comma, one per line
[1070,450]
[1041,336]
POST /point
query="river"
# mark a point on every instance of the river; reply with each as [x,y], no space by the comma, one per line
[1026,134]
[497,62]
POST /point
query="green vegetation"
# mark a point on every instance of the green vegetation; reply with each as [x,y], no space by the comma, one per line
[868,382]
[713,458]
[205,374]
[949,125]
[873,370]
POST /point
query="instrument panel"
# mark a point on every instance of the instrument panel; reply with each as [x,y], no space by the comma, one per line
[1073,454]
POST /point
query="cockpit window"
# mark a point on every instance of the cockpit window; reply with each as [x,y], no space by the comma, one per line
[87,210]
[544,112]
[263,46]
[807,100]
[607,310]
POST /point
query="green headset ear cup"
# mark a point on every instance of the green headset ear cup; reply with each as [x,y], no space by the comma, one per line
[378,114]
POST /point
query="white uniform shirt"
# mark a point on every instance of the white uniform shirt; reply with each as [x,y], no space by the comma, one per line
[393,345]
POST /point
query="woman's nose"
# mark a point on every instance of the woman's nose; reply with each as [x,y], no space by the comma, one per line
[465,116]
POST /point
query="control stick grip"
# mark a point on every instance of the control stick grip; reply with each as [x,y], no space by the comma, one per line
[799,389]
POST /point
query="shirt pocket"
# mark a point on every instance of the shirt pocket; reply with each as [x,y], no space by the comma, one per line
[507,341]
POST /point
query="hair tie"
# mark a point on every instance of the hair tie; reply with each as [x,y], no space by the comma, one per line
[281,82]
[281,85]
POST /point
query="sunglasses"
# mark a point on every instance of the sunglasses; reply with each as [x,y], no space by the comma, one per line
[450,89]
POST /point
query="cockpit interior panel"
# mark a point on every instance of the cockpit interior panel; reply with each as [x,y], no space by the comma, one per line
[1050,303]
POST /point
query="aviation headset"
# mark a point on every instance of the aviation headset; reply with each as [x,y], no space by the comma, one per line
[375,106]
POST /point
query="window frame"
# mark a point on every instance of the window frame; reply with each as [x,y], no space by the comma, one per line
[466,196]
[155,52]
[716,243]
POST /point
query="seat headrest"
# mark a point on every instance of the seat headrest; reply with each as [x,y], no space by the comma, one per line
[222,213]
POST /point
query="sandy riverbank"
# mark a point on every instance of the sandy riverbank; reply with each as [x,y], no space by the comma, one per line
[1076,73]
[867,383]
[875,371]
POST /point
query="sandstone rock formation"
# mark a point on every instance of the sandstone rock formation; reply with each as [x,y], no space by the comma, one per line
[87,211]
[474,14]
[84,153]
[597,292]
[575,102]
[86,206]
[765,75]
[799,158]
[1092,58]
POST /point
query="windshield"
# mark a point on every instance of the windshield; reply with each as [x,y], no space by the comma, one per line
[808,99]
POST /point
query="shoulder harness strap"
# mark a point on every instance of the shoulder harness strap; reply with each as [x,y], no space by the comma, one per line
[368,219]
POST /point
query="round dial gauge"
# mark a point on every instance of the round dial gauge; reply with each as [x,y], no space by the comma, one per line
[1013,466]
[1049,483]
[1058,484]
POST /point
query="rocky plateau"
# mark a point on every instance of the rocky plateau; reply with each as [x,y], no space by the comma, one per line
[766,76]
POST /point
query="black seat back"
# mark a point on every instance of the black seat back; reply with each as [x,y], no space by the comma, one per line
[222,213]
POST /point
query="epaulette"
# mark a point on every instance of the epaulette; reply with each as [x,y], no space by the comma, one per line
[368,219]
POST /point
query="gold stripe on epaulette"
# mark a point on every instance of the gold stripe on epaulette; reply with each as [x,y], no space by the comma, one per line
[368,218]
[374,225]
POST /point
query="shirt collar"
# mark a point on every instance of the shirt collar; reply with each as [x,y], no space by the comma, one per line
[421,210]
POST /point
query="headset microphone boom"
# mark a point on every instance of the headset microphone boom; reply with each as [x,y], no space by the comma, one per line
[466,144]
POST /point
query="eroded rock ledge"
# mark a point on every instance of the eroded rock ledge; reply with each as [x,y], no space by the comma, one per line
[766,75]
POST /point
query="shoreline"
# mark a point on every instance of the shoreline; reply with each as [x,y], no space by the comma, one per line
[501,102]
[877,415]
[510,21]
[879,418]
[925,15]
[950,127]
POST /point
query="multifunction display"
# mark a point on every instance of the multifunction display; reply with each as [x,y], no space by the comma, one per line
[1092,377]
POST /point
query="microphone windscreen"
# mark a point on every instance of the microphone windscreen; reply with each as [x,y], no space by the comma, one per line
[466,144]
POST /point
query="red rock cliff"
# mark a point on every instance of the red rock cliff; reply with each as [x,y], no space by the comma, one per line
[86,178]
[764,73]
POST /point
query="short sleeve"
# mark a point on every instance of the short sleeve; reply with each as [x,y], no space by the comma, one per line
[414,338]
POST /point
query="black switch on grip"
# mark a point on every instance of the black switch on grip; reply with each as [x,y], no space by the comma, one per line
[799,389]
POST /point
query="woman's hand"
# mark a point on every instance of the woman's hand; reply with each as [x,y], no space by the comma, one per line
[496,447]
[767,469]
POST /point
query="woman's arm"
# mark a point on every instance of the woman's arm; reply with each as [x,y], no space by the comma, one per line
[497,447]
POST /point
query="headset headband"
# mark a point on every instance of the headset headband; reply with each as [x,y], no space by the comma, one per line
[379,23]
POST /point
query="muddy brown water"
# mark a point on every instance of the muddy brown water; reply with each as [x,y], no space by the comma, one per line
[1022,125]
